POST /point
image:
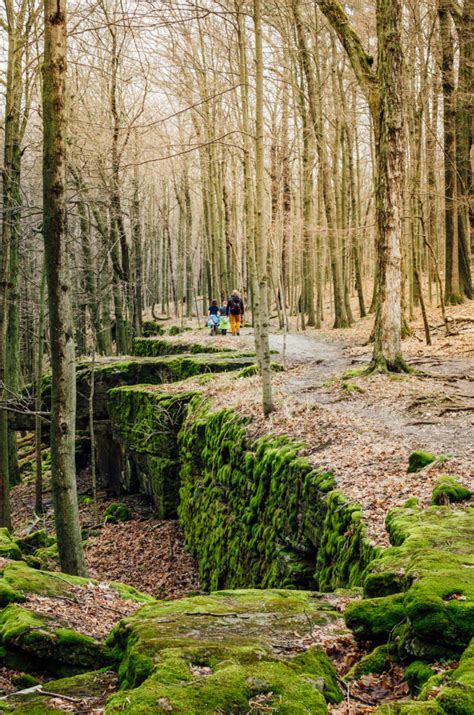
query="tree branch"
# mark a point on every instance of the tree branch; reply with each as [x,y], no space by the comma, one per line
[361,62]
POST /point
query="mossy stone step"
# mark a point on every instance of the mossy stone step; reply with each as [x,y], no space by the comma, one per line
[223,653]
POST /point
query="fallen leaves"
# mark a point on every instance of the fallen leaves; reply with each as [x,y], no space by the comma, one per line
[92,610]
[148,555]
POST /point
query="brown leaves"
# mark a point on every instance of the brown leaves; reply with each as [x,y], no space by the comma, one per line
[92,610]
[148,555]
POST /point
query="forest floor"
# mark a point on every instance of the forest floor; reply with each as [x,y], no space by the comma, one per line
[360,427]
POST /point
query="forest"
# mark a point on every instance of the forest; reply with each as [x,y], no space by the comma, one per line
[237,357]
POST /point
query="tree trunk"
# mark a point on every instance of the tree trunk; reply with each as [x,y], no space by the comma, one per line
[452,287]
[389,186]
[261,302]
[63,387]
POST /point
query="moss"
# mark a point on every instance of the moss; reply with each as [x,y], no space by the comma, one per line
[37,634]
[431,567]
[117,512]
[151,327]
[377,661]
[24,680]
[417,674]
[448,490]
[457,697]
[34,541]
[130,593]
[354,372]
[419,459]
[87,685]
[9,594]
[375,619]
[9,549]
[410,708]
[159,646]
[254,369]
[258,514]
[152,347]
[25,579]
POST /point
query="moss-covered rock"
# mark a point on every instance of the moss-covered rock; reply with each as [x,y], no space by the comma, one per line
[449,490]
[30,543]
[220,653]
[410,708]
[151,327]
[419,460]
[39,635]
[457,697]
[92,688]
[154,347]
[431,567]
[24,680]
[117,512]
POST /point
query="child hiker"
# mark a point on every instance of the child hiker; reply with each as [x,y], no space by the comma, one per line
[224,325]
[213,319]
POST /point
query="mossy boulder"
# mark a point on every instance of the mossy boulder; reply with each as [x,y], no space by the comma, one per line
[117,512]
[449,490]
[419,460]
[151,327]
[30,543]
[410,708]
[221,653]
[457,697]
[92,688]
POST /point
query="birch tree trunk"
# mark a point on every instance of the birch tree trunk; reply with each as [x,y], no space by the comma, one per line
[63,397]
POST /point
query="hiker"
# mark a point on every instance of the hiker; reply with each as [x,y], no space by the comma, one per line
[224,324]
[213,319]
[235,311]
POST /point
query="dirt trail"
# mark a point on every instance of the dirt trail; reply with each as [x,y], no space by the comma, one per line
[452,383]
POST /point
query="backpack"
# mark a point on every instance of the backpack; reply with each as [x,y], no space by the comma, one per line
[235,306]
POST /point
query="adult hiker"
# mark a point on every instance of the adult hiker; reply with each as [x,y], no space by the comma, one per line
[213,317]
[235,311]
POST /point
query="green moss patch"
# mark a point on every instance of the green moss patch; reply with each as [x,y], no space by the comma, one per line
[117,512]
[419,460]
[220,653]
[154,347]
[9,549]
[448,490]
